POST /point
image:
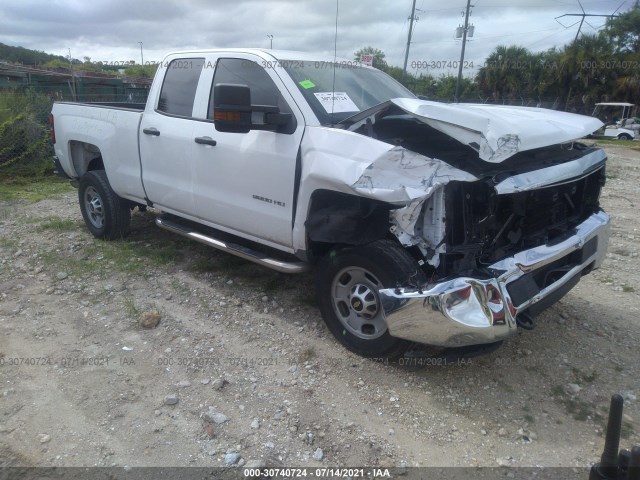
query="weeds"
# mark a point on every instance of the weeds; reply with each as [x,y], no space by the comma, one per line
[57,224]
[131,308]
[31,189]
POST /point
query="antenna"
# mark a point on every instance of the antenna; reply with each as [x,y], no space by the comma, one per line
[335,59]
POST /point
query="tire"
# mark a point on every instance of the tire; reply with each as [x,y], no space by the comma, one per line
[624,136]
[347,285]
[106,215]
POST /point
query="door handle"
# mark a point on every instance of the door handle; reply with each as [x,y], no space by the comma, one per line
[205,141]
[151,131]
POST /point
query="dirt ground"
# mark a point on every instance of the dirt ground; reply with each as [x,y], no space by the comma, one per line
[240,370]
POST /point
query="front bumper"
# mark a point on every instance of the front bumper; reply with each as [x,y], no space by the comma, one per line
[476,310]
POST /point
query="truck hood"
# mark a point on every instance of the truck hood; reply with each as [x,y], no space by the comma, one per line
[496,132]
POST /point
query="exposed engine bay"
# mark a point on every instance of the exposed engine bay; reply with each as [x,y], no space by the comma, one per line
[459,214]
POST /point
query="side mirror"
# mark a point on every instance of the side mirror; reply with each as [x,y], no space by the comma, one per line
[233,112]
[232,108]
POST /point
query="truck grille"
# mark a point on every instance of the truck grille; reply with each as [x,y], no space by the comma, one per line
[484,227]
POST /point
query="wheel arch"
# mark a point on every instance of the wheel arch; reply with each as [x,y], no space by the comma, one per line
[85,157]
[337,218]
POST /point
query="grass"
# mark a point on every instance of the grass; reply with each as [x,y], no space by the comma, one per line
[628,289]
[131,308]
[8,243]
[57,224]
[203,265]
[598,142]
[100,256]
[32,189]
[626,431]
[578,409]
[582,377]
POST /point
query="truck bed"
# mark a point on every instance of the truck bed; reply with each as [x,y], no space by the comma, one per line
[137,107]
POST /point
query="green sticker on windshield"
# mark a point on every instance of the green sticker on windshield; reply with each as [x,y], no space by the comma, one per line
[306,84]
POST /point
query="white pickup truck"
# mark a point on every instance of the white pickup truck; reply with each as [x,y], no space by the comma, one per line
[441,224]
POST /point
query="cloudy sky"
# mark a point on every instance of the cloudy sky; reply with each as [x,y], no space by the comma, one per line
[109,30]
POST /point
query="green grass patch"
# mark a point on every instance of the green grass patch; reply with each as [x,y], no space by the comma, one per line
[628,289]
[99,257]
[32,189]
[8,243]
[58,224]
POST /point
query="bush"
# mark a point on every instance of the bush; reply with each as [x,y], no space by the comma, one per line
[25,149]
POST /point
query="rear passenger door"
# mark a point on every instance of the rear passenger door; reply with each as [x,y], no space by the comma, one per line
[166,137]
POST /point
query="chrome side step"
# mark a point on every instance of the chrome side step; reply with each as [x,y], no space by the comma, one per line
[232,248]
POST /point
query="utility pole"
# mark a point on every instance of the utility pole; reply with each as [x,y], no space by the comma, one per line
[464,44]
[271,40]
[72,85]
[406,52]
[582,20]
[584,15]
[141,56]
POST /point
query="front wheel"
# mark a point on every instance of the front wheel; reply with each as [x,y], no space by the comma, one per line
[624,136]
[347,286]
[106,215]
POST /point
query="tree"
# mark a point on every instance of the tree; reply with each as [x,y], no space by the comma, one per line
[509,74]
[624,34]
[378,56]
[624,31]
[146,71]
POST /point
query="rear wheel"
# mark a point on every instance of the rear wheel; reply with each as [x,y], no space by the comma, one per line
[624,136]
[106,215]
[347,286]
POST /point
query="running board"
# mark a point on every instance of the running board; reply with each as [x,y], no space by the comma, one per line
[233,248]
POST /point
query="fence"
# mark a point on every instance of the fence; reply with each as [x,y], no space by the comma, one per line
[26,97]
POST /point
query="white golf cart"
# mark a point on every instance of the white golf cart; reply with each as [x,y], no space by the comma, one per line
[621,120]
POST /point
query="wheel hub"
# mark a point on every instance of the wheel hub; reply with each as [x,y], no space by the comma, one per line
[356,303]
[363,301]
[94,207]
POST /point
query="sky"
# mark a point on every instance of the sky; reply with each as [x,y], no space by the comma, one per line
[110,30]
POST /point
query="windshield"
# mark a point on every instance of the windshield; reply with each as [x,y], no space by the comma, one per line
[356,88]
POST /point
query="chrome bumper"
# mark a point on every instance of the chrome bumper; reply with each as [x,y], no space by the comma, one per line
[470,311]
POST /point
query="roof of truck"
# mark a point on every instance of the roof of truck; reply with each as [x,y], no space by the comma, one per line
[265,52]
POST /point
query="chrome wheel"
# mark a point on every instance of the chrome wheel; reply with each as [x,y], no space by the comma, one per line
[356,303]
[94,207]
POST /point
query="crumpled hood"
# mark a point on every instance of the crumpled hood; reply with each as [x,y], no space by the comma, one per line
[497,132]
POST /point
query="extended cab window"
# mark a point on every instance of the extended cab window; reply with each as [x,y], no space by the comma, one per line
[179,86]
[249,73]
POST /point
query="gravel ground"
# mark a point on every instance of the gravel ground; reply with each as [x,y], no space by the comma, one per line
[156,351]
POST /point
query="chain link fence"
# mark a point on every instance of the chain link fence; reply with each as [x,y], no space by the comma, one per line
[25,146]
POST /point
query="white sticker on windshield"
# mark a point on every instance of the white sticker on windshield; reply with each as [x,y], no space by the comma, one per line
[338,102]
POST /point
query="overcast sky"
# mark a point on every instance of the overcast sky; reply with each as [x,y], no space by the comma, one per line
[109,30]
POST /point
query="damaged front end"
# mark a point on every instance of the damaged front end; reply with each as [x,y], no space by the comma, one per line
[501,237]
